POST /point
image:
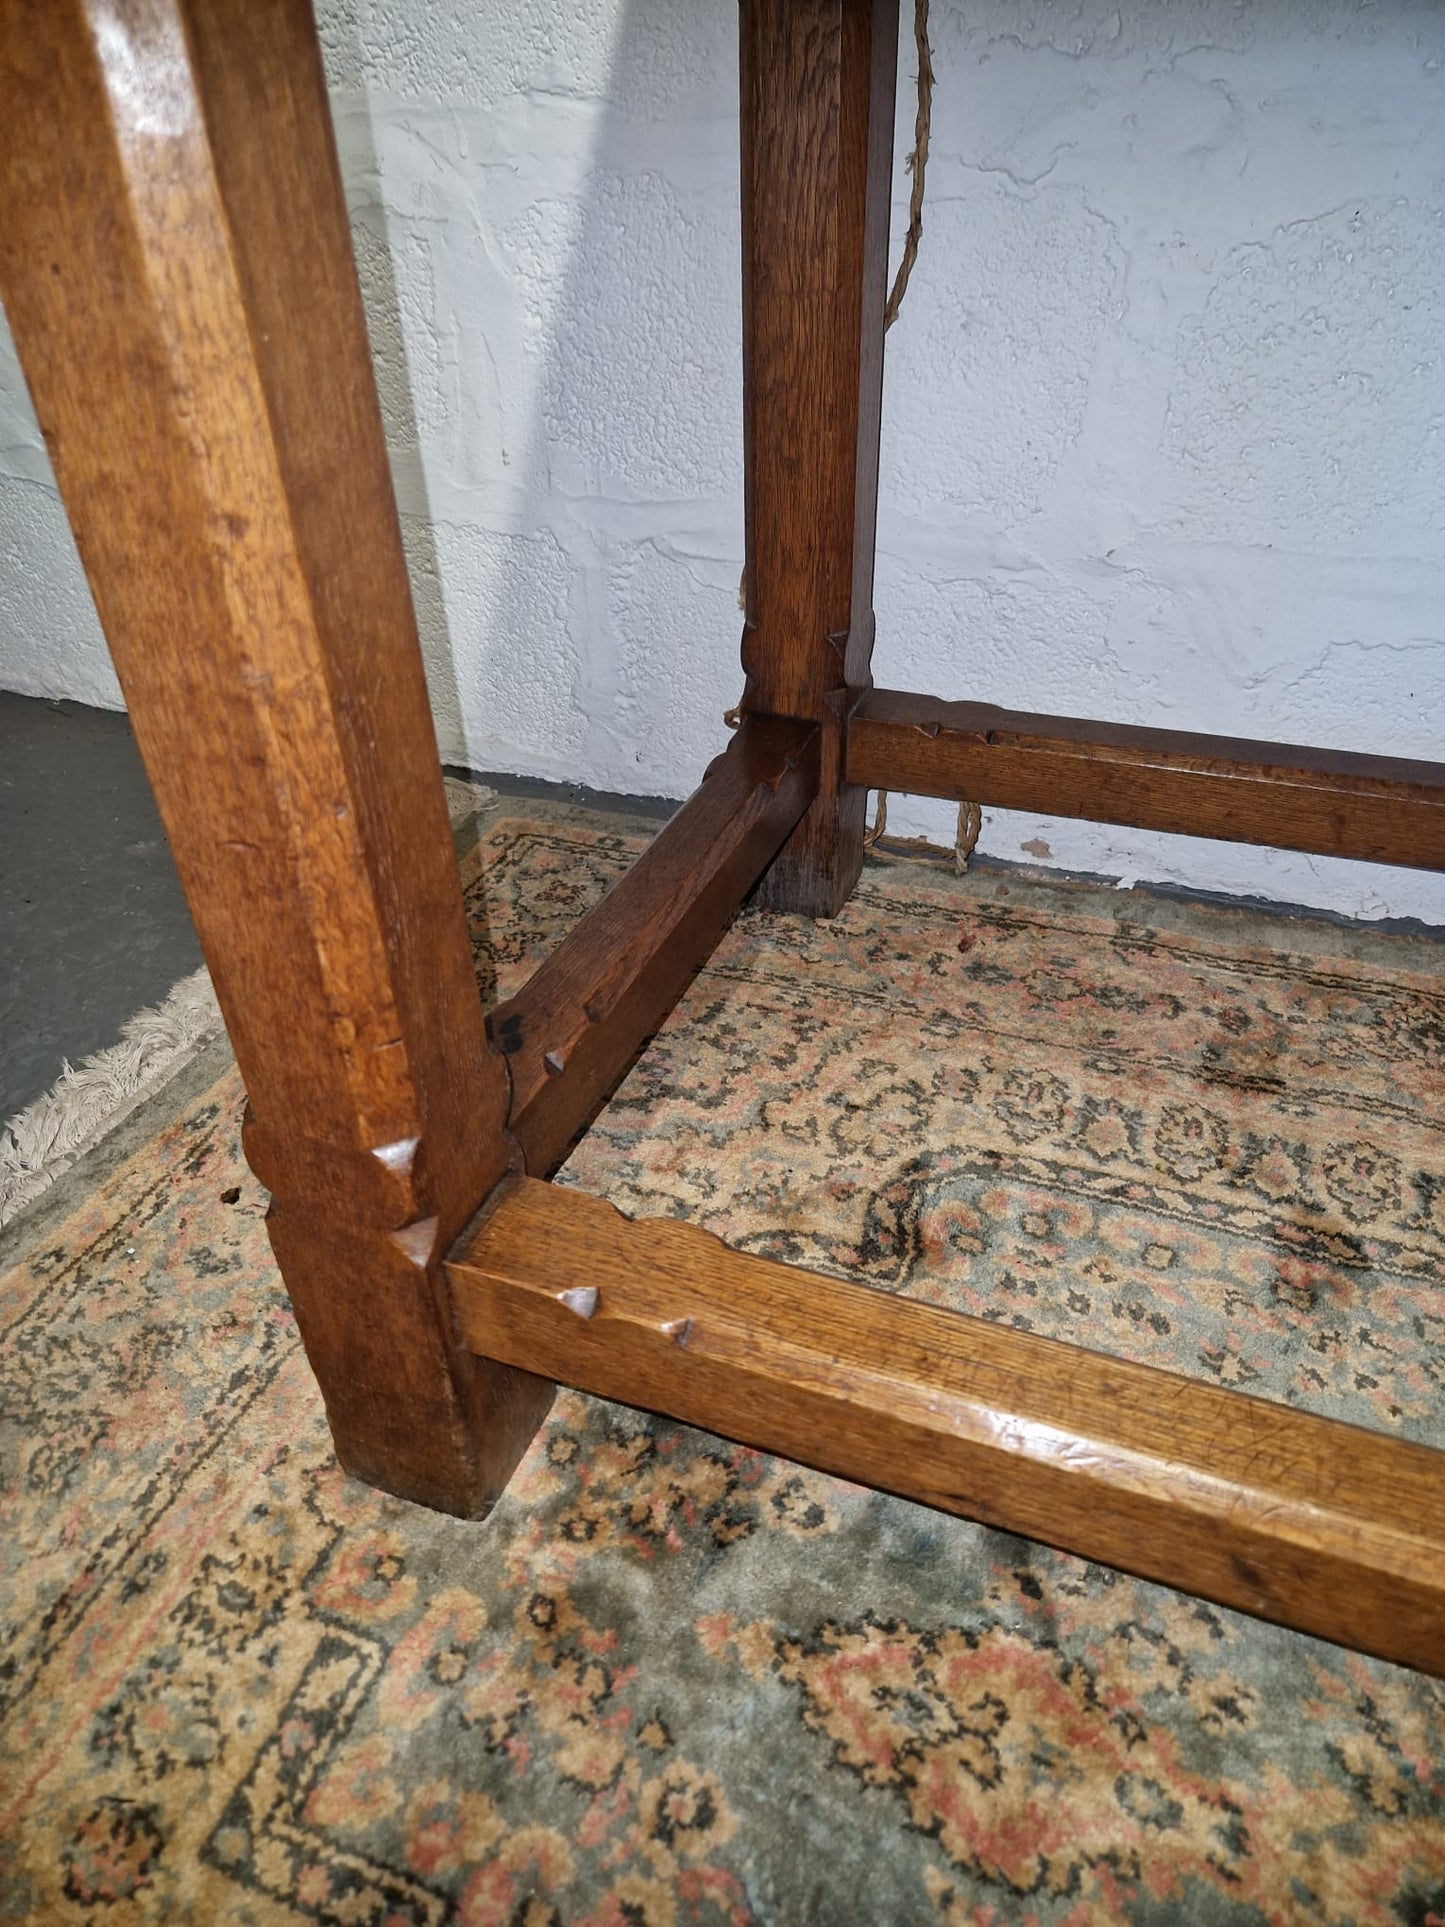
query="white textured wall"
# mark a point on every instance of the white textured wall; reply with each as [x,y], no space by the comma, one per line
[1163,421]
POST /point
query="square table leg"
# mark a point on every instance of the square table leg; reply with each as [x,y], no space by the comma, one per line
[818,84]
[176,265]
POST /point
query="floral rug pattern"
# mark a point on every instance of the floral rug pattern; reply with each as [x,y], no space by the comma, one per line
[675,1681]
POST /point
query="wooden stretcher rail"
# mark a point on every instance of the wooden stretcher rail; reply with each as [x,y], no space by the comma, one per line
[1327,802]
[572,1030]
[1332,1529]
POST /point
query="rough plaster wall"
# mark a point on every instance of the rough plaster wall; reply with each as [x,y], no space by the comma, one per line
[1163,438]
[50,641]
[1163,416]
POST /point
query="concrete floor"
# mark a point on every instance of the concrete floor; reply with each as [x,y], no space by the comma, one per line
[93,925]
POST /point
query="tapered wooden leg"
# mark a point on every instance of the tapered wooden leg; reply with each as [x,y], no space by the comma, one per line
[818,80]
[177,270]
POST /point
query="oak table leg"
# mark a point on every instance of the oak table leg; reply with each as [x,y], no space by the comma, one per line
[177,269]
[818,81]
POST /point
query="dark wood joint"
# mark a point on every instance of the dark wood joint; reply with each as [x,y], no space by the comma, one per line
[570,1033]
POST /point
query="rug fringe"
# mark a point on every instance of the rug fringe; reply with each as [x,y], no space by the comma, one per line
[41,1142]
[85,1102]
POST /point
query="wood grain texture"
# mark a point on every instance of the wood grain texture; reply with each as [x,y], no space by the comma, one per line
[1335,1530]
[818,81]
[1328,802]
[572,1030]
[177,270]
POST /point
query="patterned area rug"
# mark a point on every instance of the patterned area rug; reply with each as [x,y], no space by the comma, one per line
[673,1681]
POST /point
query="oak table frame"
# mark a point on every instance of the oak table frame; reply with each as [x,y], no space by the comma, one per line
[176,265]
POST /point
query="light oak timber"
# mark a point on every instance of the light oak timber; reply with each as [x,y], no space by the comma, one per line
[176,266]
[571,1032]
[1327,802]
[818,81]
[1334,1530]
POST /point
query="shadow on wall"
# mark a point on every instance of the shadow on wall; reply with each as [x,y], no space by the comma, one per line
[546,219]
[361,173]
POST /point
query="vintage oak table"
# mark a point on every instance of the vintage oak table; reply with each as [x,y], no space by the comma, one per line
[177,271]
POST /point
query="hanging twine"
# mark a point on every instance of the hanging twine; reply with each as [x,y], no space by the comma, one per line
[880,822]
[917,163]
[970,816]
[965,837]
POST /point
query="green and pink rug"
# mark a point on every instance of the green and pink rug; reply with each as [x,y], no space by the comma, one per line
[673,1681]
